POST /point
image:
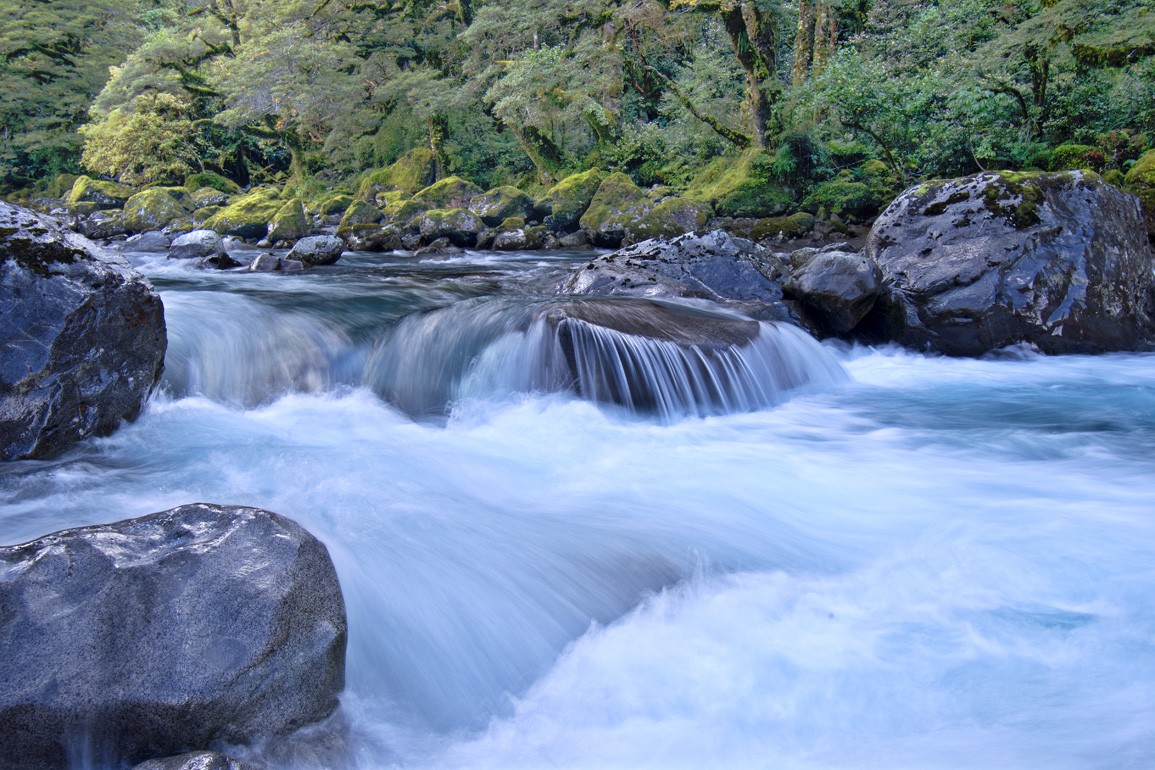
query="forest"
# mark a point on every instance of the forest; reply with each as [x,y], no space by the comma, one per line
[838,103]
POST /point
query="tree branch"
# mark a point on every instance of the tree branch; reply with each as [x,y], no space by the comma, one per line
[729,134]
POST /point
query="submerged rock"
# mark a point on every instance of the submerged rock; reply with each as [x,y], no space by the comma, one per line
[1059,261]
[152,241]
[173,632]
[82,338]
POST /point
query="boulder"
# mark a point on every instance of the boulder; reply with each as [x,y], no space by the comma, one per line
[501,203]
[100,225]
[82,338]
[569,199]
[741,186]
[289,223]
[208,196]
[271,263]
[199,244]
[450,193]
[668,218]
[213,180]
[520,239]
[373,238]
[1140,181]
[248,216]
[618,206]
[196,760]
[187,629]
[413,171]
[838,287]
[716,266]
[358,213]
[153,241]
[781,228]
[100,194]
[442,247]
[318,250]
[1054,260]
[458,225]
[152,209]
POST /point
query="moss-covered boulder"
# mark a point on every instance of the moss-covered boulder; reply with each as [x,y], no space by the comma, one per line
[570,198]
[843,197]
[1072,157]
[405,214]
[209,196]
[359,213]
[1055,260]
[331,205]
[742,186]
[248,216]
[1140,181]
[668,218]
[102,195]
[793,226]
[460,226]
[501,203]
[213,180]
[204,214]
[152,209]
[450,193]
[521,239]
[617,207]
[289,223]
[103,224]
[413,171]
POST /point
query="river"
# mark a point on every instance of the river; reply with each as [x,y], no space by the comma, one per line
[907,562]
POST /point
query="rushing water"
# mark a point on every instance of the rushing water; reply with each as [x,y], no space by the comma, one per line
[928,563]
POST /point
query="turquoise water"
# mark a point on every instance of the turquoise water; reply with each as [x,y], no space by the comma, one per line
[929,563]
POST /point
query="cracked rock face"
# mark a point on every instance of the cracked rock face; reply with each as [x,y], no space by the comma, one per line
[82,337]
[173,632]
[1058,261]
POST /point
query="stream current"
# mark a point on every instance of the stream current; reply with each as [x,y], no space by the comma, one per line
[867,558]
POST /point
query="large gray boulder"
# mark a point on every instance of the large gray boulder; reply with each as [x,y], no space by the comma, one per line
[199,244]
[716,266]
[837,287]
[1058,261]
[317,250]
[182,630]
[82,337]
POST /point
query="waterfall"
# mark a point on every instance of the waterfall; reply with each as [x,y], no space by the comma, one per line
[649,357]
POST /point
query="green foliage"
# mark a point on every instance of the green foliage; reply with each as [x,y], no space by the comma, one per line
[1077,156]
[212,180]
[741,186]
[149,140]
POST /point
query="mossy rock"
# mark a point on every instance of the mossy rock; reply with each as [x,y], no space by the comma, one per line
[511,223]
[881,181]
[213,180]
[1114,177]
[669,218]
[248,216]
[152,209]
[460,226]
[618,207]
[332,204]
[793,226]
[392,198]
[289,223]
[741,186]
[103,195]
[204,214]
[1140,181]
[60,186]
[1072,157]
[570,198]
[413,171]
[450,193]
[404,214]
[359,213]
[209,196]
[843,198]
[501,203]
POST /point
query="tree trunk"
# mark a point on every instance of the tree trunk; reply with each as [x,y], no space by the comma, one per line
[541,150]
[753,38]
[825,36]
[803,43]
[438,126]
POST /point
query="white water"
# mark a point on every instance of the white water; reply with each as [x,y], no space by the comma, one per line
[941,564]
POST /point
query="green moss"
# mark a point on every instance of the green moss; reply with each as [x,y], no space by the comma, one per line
[289,223]
[1114,177]
[213,180]
[570,198]
[1016,200]
[617,196]
[451,192]
[392,198]
[460,226]
[152,209]
[209,196]
[328,205]
[104,195]
[1141,176]
[413,171]
[511,223]
[793,226]
[669,218]
[842,198]
[248,216]
[404,213]
[1076,156]
[741,186]
[204,214]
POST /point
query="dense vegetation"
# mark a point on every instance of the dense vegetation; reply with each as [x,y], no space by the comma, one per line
[827,99]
